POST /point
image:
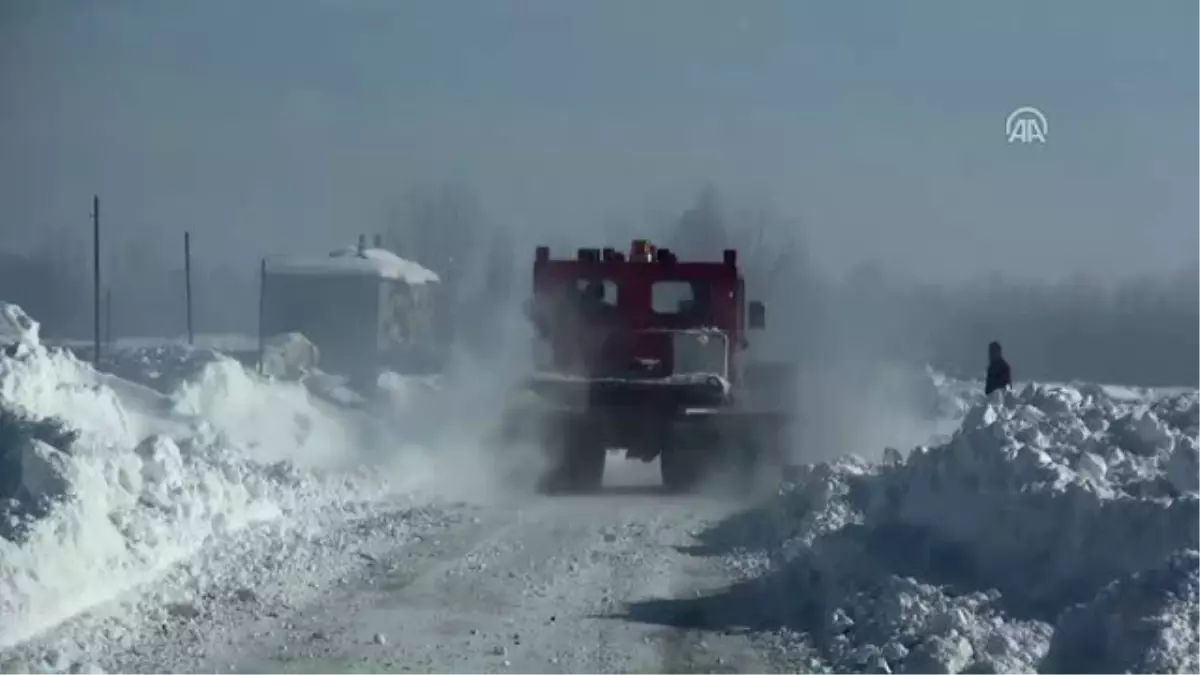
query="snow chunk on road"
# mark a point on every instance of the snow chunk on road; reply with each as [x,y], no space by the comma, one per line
[969,556]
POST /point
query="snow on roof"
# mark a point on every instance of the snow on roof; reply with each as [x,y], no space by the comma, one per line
[350,261]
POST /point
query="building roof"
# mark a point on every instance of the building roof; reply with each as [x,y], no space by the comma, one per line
[350,261]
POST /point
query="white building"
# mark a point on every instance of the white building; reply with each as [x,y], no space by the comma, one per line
[364,309]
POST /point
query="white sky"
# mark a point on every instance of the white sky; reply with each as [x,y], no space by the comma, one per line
[271,126]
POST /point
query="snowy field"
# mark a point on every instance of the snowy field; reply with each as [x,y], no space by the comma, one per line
[225,342]
[186,515]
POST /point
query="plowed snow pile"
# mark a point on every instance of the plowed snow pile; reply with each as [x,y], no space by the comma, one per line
[1057,530]
[105,484]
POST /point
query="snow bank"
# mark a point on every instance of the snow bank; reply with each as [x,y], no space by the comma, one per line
[270,421]
[107,483]
[289,356]
[162,368]
[16,327]
[1057,529]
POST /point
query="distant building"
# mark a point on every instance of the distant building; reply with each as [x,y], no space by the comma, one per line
[364,308]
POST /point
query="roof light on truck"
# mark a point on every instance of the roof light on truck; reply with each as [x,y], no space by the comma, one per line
[641,251]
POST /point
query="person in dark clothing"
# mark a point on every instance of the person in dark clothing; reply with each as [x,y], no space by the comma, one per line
[999,375]
[593,306]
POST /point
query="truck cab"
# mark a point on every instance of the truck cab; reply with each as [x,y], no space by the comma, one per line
[646,317]
[643,352]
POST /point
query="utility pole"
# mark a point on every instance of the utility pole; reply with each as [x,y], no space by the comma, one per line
[262,290]
[187,281]
[96,277]
[108,317]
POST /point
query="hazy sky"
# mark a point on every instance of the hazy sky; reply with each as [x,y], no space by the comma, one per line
[279,125]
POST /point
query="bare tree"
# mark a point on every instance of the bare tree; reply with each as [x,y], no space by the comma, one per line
[772,256]
[702,231]
[440,227]
[443,228]
[56,293]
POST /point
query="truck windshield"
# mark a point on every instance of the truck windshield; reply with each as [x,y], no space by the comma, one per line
[687,298]
[598,291]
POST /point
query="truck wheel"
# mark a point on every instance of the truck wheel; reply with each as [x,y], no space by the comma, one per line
[587,467]
[681,470]
[579,468]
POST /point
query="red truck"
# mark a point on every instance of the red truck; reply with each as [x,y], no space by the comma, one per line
[647,353]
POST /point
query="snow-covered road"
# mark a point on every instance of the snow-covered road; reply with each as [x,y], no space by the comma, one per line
[209,519]
[521,584]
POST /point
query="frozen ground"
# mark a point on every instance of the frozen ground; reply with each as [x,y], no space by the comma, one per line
[205,520]
[521,585]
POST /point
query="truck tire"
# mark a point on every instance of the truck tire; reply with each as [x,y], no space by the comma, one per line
[587,467]
[681,470]
[578,467]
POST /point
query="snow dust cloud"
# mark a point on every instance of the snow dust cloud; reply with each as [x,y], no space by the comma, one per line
[860,173]
[884,236]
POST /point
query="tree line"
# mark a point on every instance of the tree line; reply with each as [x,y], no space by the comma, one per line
[1140,331]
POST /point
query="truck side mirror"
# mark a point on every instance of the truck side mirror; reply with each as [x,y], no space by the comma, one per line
[758,315]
